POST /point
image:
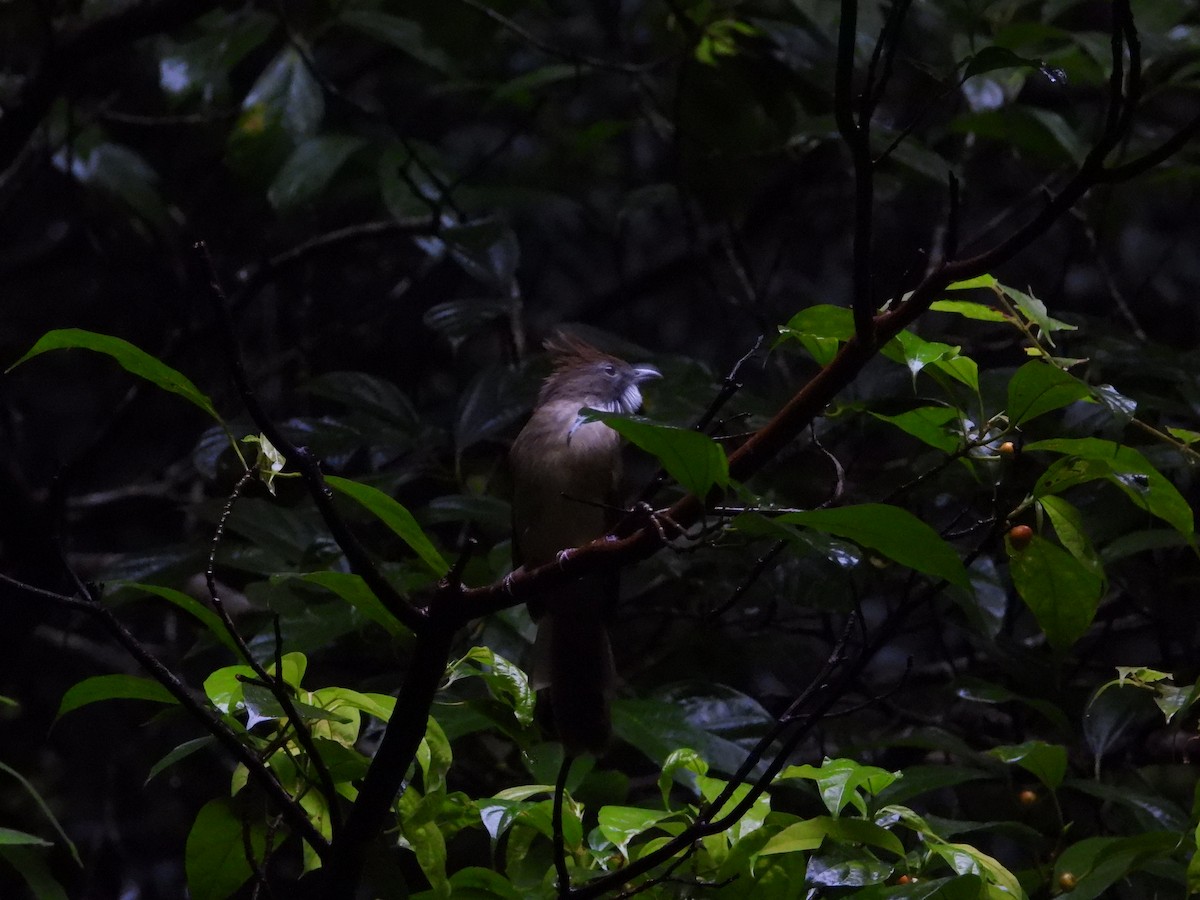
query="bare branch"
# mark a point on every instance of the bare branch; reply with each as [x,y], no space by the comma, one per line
[296,818]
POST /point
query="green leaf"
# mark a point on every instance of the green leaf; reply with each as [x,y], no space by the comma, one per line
[820,329]
[32,867]
[37,798]
[969,310]
[310,168]
[10,836]
[658,729]
[1046,761]
[476,883]
[991,58]
[112,687]
[1068,525]
[1100,862]
[186,749]
[839,781]
[1129,470]
[286,92]
[927,424]
[395,516]
[1183,434]
[621,824]
[215,856]
[188,604]
[505,681]
[1038,387]
[979,281]
[381,706]
[967,860]
[1062,592]
[130,358]
[685,760]
[1035,312]
[917,353]
[353,590]
[403,34]
[224,689]
[810,834]
[434,757]
[891,531]
[693,459]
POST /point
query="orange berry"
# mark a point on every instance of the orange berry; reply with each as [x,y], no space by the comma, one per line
[1019,536]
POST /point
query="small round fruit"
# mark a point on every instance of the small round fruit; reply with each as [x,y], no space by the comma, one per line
[1020,536]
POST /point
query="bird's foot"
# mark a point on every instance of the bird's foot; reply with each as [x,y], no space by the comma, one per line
[658,518]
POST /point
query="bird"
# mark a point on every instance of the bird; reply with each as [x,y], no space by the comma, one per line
[566,472]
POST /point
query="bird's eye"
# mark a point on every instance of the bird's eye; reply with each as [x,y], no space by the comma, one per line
[610,370]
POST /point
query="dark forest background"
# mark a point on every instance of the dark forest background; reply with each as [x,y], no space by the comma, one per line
[401,201]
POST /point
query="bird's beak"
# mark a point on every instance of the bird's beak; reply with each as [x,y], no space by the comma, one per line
[645,372]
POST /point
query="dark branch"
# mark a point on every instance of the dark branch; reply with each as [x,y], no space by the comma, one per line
[262,774]
[308,466]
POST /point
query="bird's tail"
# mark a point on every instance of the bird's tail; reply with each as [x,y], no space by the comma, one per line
[575,667]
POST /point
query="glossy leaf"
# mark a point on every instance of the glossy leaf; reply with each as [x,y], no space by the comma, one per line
[191,606]
[1129,470]
[184,750]
[840,780]
[132,359]
[310,168]
[917,353]
[927,424]
[1038,387]
[969,310]
[1046,761]
[1035,312]
[811,833]
[820,329]
[1098,863]
[891,531]
[395,516]
[621,824]
[353,590]
[286,92]
[1062,592]
[1068,525]
[112,687]
[504,680]
[215,856]
[693,459]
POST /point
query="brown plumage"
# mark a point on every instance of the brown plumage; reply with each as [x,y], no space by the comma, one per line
[565,476]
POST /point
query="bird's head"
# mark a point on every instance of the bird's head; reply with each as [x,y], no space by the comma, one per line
[585,375]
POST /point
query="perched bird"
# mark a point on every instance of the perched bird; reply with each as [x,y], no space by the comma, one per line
[565,474]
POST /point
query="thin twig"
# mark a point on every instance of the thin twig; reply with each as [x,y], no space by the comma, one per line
[560,843]
[279,689]
[308,466]
[296,818]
